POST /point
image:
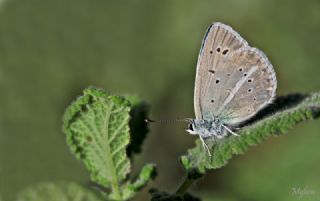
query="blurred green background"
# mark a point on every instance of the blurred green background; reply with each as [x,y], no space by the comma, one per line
[51,50]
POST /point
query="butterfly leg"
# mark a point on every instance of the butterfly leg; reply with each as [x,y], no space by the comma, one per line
[205,145]
[230,131]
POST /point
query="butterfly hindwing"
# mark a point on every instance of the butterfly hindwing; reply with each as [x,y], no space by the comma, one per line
[233,80]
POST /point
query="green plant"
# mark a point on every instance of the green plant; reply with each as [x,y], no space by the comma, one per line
[106,131]
[97,130]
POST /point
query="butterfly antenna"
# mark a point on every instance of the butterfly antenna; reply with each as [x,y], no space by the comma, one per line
[166,121]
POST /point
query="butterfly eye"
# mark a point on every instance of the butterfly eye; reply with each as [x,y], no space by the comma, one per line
[190,127]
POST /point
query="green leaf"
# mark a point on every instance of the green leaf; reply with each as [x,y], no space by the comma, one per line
[61,191]
[147,173]
[97,130]
[276,119]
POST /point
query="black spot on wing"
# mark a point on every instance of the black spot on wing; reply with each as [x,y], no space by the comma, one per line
[225,51]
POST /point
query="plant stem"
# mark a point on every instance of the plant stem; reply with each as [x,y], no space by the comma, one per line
[183,188]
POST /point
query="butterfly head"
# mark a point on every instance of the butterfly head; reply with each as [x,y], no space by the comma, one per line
[191,127]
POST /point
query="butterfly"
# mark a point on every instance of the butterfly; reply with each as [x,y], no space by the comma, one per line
[233,82]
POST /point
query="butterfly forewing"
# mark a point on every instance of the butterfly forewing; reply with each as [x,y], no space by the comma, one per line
[233,80]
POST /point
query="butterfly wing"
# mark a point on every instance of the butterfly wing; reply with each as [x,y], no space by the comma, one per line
[233,80]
